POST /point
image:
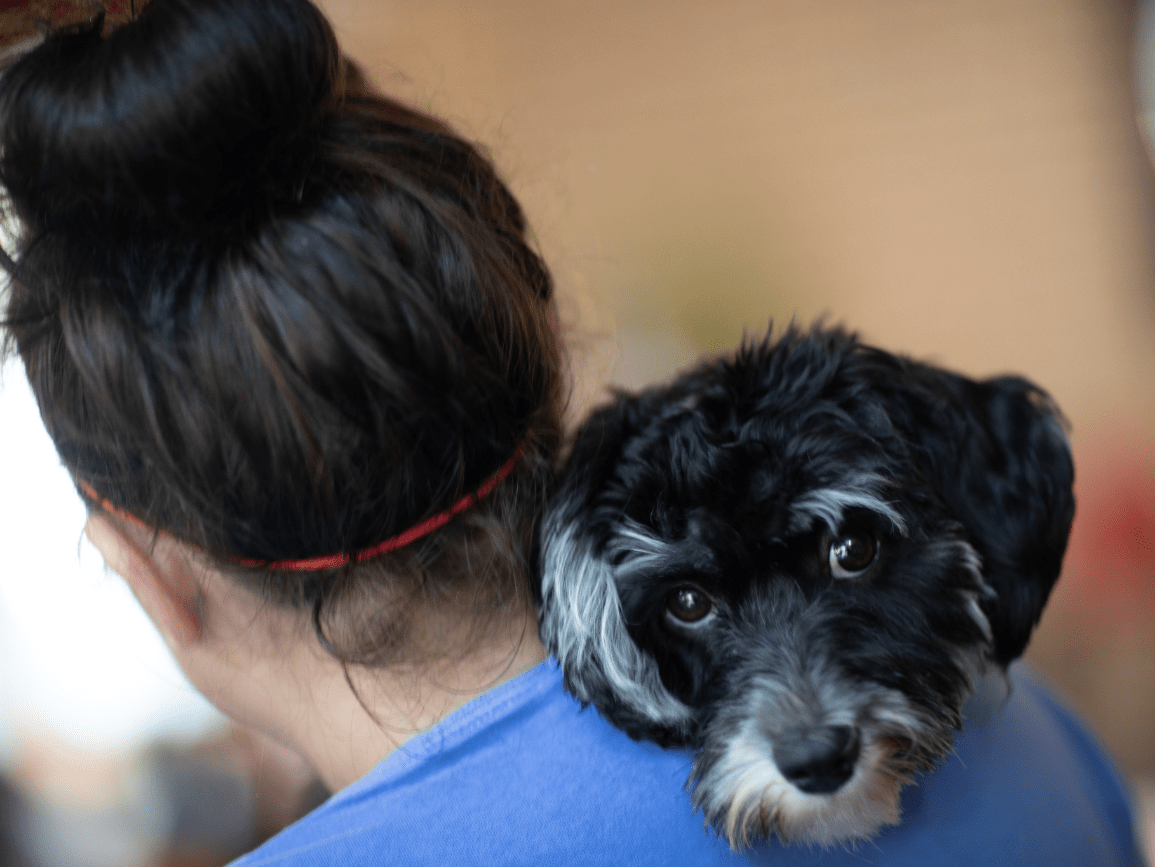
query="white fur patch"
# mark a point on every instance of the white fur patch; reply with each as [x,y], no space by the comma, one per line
[829,504]
[582,623]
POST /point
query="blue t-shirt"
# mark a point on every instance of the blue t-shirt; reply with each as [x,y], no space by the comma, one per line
[522,775]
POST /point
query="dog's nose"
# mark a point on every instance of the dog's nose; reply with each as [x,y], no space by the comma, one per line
[820,760]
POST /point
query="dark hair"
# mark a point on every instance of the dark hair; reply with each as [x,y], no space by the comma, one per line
[273,314]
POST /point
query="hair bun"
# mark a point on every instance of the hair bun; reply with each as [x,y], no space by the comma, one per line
[198,111]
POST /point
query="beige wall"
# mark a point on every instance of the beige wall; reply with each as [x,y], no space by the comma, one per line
[958,180]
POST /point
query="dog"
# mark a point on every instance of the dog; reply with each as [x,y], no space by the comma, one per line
[797,561]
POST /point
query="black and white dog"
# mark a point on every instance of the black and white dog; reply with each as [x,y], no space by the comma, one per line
[798,561]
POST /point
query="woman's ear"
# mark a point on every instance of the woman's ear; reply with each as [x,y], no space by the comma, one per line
[157,574]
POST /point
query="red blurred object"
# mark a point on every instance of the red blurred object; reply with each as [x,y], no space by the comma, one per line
[1110,565]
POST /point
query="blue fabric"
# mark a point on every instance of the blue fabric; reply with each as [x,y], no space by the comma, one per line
[522,775]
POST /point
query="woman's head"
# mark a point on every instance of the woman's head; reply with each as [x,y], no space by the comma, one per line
[276,316]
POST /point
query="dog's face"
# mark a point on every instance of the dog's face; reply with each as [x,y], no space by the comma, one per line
[797,561]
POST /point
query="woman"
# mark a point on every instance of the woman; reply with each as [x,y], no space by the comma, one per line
[291,342]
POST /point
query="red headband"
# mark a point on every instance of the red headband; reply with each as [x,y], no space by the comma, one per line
[332,561]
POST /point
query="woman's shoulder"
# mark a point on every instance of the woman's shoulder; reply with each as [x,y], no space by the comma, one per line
[1027,783]
[521,775]
[524,775]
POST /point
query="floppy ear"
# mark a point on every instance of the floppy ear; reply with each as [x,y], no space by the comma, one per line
[1006,475]
[582,622]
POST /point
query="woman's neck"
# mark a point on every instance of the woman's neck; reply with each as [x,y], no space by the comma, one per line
[344,726]
[263,665]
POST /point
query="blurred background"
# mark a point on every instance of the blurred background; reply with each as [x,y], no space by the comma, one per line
[966,182]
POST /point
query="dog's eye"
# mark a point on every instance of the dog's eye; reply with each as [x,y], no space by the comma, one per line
[851,554]
[689,604]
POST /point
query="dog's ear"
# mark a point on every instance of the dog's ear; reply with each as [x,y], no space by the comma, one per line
[997,452]
[581,618]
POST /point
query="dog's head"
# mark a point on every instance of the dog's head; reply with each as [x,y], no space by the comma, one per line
[797,561]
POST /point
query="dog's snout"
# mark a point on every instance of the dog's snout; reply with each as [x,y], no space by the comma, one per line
[820,760]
